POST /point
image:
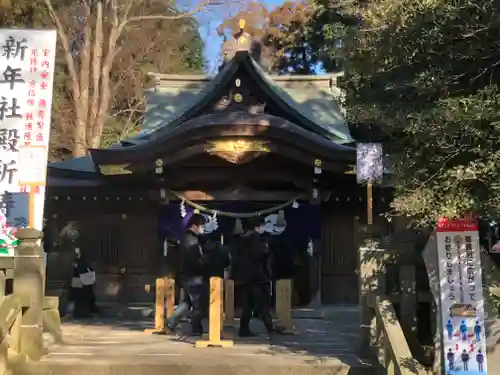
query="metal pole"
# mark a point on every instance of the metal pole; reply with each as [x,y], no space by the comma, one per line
[369,204]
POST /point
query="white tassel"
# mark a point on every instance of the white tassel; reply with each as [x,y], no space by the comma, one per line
[183,209]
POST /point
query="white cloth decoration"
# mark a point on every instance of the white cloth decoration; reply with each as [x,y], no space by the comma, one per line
[271,227]
[183,209]
[211,224]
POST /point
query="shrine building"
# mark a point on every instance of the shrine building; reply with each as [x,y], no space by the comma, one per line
[239,144]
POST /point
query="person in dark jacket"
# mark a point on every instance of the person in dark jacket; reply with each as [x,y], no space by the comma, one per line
[193,276]
[250,262]
[218,258]
[83,295]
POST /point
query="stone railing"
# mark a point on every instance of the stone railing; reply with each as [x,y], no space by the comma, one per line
[23,307]
[382,333]
[393,352]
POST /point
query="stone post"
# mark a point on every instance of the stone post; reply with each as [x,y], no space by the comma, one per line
[371,281]
[28,286]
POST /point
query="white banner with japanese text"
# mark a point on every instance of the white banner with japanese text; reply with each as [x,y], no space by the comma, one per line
[462,303]
[27,59]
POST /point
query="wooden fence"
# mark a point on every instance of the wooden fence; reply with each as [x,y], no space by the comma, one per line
[222,305]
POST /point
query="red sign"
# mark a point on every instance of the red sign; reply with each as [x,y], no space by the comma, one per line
[456,225]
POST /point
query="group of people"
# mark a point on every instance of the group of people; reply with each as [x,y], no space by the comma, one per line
[248,259]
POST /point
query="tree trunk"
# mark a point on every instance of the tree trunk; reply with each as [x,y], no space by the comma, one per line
[79,137]
[96,73]
[85,70]
[105,91]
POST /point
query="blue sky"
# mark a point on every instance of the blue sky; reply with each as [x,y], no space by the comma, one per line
[213,41]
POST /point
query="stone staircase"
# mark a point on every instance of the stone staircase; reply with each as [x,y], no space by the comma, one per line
[325,342]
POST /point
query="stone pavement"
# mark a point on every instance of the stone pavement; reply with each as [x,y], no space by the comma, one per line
[104,346]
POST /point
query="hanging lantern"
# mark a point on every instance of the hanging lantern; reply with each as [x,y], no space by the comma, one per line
[163,193]
[295,204]
[238,227]
[159,166]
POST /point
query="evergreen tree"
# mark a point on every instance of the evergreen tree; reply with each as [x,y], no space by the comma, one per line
[426,73]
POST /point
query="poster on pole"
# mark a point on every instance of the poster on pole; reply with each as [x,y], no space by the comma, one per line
[27,59]
[462,300]
[369,162]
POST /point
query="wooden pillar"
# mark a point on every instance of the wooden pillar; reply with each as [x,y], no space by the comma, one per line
[284,303]
[28,287]
[229,302]
[160,303]
[161,289]
[214,329]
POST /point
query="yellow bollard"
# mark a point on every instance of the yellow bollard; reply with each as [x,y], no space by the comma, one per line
[159,307]
[284,303]
[229,302]
[165,302]
[214,329]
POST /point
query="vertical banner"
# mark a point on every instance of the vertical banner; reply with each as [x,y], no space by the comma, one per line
[27,60]
[462,303]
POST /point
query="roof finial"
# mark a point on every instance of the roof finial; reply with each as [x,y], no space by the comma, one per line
[240,41]
[242,37]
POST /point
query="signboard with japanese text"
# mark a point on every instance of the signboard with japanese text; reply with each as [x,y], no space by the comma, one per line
[369,162]
[26,79]
[461,293]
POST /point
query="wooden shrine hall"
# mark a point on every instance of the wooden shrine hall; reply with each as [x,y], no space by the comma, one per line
[238,144]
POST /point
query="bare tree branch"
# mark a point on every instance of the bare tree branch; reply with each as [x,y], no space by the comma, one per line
[79,131]
[102,29]
[202,7]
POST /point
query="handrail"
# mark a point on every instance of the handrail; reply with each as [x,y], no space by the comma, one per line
[10,329]
[394,354]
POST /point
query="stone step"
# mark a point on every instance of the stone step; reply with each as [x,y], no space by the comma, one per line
[105,346]
[176,365]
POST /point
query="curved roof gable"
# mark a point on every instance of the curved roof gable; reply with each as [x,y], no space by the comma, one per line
[318,105]
[168,107]
[215,125]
